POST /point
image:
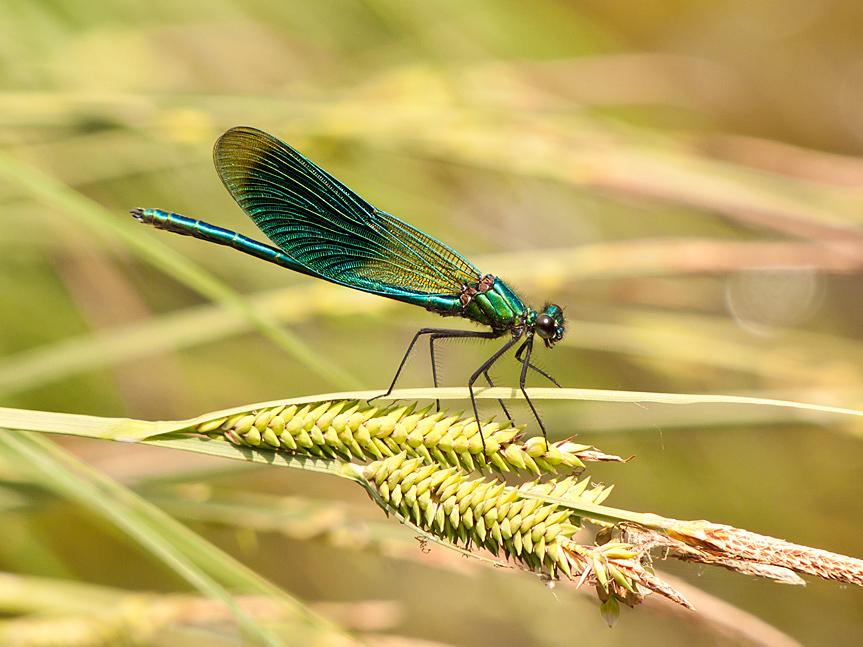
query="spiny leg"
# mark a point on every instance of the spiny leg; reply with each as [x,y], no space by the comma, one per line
[436,336]
[450,334]
[500,402]
[434,333]
[482,370]
[527,347]
[538,370]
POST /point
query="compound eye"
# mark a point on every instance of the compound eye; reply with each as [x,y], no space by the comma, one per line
[545,326]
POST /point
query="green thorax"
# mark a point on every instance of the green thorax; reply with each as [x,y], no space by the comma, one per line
[493,304]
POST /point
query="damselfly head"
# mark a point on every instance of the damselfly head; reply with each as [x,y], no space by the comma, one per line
[550,324]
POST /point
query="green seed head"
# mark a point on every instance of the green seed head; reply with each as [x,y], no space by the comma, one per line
[480,512]
[353,430]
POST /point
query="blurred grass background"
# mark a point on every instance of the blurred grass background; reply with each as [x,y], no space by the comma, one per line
[684,177]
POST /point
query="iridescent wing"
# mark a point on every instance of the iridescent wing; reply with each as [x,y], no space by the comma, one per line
[329,229]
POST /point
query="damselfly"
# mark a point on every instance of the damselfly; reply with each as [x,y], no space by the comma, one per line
[321,228]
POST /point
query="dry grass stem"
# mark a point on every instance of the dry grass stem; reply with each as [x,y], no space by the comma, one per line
[742,550]
[648,539]
[735,543]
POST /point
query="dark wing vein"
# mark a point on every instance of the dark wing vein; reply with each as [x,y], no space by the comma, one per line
[322,224]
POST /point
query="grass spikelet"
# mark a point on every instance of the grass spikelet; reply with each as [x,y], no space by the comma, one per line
[618,572]
[354,430]
[479,512]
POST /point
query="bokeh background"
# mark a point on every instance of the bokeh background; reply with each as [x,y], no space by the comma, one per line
[684,177]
